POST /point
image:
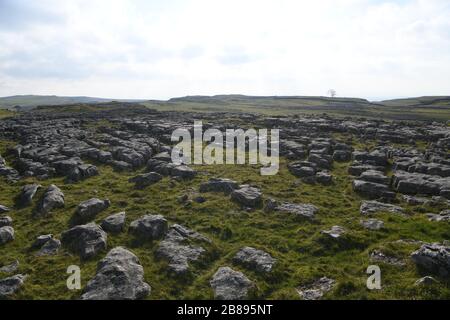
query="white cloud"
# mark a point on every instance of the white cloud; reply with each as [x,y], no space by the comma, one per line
[161,49]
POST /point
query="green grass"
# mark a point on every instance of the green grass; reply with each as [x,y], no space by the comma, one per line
[302,252]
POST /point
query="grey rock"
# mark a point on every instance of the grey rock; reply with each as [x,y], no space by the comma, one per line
[87,210]
[324,177]
[11,285]
[52,199]
[426,281]
[247,196]
[146,179]
[335,232]
[51,247]
[228,284]
[373,207]
[149,227]
[372,224]
[317,289]
[86,240]
[177,248]
[299,209]
[27,194]
[41,240]
[374,176]
[342,155]
[10,268]
[433,257]
[372,190]
[119,276]
[5,221]
[444,215]
[6,234]
[254,259]
[219,185]
[114,223]
[4,209]
[378,256]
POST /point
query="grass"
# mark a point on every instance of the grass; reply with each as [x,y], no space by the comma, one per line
[302,252]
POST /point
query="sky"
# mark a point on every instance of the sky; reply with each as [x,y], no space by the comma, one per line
[161,49]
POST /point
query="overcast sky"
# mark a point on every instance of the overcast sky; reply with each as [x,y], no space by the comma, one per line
[162,49]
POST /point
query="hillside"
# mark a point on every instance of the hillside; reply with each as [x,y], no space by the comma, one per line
[30,101]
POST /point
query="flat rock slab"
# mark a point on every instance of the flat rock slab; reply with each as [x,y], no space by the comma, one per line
[378,256]
[86,240]
[303,210]
[11,285]
[114,223]
[372,224]
[373,207]
[254,259]
[229,284]
[317,289]
[87,210]
[4,209]
[120,276]
[149,227]
[177,248]
[433,257]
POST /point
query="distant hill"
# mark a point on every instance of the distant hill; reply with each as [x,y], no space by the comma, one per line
[435,101]
[26,102]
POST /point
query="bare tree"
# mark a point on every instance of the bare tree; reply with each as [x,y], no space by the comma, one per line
[331,93]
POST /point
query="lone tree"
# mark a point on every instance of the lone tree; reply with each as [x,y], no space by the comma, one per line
[332,93]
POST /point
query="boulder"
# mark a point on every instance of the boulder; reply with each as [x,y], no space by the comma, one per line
[87,210]
[11,285]
[119,276]
[51,247]
[372,190]
[219,185]
[149,227]
[86,240]
[146,179]
[6,234]
[5,221]
[114,223]
[434,258]
[247,196]
[228,284]
[27,194]
[4,209]
[374,176]
[52,199]
[324,177]
[41,240]
[254,259]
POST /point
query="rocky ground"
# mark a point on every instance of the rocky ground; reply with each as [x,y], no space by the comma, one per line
[94,186]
